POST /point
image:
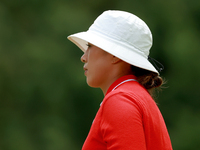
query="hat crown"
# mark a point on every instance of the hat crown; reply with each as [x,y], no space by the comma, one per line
[126,28]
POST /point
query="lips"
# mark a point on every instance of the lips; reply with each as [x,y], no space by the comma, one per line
[85,69]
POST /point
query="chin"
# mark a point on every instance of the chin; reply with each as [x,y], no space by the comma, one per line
[92,84]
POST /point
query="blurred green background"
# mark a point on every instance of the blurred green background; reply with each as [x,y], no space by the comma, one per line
[45,103]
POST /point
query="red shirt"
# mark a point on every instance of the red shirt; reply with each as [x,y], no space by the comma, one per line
[128,119]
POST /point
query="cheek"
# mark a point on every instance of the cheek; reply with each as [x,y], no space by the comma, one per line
[97,76]
[98,69]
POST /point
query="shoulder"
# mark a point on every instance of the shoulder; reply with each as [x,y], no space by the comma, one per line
[131,92]
[120,110]
[130,97]
[119,104]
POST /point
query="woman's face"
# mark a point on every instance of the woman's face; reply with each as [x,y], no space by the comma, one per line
[97,64]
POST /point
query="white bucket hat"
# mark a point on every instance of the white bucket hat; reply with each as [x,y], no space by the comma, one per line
[121,34]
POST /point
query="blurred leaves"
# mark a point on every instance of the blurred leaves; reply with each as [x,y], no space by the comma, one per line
[44,100]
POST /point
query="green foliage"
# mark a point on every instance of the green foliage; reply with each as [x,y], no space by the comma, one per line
[44,100]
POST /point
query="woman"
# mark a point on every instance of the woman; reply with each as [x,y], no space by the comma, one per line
[116,51]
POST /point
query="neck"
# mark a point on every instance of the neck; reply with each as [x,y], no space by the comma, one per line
[116,72]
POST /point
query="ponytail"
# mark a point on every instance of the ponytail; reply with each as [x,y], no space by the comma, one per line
[148,79]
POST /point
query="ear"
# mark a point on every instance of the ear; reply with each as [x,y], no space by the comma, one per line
[115,60]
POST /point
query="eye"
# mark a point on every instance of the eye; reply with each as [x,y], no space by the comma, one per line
[88,45]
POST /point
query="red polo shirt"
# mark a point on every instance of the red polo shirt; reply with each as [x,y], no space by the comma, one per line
[128,119]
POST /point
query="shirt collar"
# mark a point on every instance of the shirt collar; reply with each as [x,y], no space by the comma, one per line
[119,81]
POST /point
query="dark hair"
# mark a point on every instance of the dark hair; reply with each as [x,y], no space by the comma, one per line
[148,79]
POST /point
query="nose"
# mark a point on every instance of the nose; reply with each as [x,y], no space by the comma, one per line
[83,58]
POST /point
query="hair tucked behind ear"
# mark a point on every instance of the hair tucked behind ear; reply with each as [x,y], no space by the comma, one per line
[148,79]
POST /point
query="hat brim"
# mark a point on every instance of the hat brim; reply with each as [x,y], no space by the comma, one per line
[119,49]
